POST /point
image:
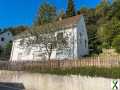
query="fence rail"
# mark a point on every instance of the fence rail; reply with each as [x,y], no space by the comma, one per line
[108,62]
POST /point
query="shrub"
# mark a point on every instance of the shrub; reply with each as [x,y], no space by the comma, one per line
[116,43]
[1,50]
[8,49]
[113,72]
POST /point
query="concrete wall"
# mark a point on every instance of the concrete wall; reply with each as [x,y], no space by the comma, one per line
[53,82]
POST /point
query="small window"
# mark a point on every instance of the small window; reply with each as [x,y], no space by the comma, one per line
[8,34]
[10,41]
[2,39]
[59,35]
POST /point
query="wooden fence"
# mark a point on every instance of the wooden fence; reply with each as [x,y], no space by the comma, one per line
[108,62]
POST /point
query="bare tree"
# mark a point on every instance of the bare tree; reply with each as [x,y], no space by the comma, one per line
[46,37]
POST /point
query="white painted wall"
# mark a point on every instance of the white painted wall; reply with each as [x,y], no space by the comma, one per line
[19,54]
[7,38]
[82,38]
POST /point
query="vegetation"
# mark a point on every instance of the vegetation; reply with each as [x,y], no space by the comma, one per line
[103,25]
[70,9]
[116,43]
[46,14]
[1,50]
[113,72]
[6,51]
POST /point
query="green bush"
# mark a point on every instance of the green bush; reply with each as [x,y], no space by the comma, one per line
[1,50]
[7,49]
[113,72]
[116,43]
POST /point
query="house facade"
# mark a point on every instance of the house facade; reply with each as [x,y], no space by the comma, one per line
[74,27]
[5,38]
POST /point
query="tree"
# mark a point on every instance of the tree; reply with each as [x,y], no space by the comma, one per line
[105,34]
[70,9]
[61,15]
[94,43]
[108,31]
[7,49]
[116,9]
[44,38]
[102,9]
[0,30]
[1,50]
[116,44]
[46,13]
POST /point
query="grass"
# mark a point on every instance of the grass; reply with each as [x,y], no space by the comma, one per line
[113,72]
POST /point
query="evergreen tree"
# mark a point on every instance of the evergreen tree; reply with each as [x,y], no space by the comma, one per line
[70,9]
[46,14]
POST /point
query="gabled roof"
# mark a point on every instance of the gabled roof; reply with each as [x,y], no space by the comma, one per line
[64,23]
[70,21]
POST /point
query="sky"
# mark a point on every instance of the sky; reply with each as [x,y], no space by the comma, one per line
[23,12]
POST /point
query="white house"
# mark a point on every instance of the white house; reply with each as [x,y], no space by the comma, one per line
[78,40]
[5,38]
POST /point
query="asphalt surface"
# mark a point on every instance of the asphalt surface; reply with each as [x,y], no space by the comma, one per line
[7,86]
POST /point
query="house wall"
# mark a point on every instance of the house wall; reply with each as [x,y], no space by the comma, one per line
[82,38]
[7,36]
[71,51]
[32,53]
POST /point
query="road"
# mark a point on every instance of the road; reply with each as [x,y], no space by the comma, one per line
[9,87]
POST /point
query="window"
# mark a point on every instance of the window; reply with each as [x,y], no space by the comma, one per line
[59,35]
[8,34]
[10,41]
[2,39]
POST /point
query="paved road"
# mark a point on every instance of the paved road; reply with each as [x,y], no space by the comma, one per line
[9,87]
